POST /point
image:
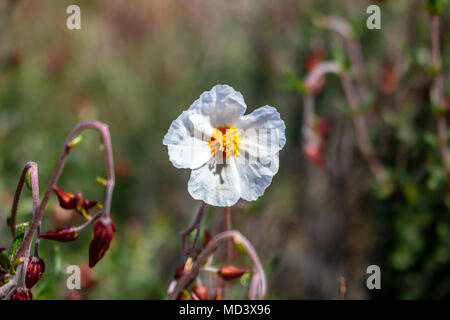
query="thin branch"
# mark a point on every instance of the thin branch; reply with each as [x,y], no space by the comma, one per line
[104,131]
[195,225]
[227,218]
[360,127]
[361,132]
[258,285]
[319,71]
[437,91]
[17,194]
[353,47]
[94,218]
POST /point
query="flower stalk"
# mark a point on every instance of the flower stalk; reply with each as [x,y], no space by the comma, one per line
[437,92]
[258,285]
[104,132]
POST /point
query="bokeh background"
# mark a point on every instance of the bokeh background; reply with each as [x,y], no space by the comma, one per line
[137,65]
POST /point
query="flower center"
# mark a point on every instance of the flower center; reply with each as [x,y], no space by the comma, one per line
[227,140]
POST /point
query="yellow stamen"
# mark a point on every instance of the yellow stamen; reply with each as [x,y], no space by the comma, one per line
[225,140]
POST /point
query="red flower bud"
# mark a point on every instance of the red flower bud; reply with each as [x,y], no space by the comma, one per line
[35,269]
[21,294]
[63,234]
[231,272]
[103,234]
[201,292]
[72,201]
[66,199]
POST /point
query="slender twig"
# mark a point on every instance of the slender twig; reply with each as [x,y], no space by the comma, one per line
[227,218]
[318,71]
[437,91]
[93,218]
[313,77]
[353,47]
[258,285]
[104,131]
[360,127]
[361,132]
[195,225]
[17,194]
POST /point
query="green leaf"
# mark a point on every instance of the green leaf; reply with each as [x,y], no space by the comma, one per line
[18,239]
[5,262]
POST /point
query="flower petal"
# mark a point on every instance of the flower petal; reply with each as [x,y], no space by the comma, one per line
[216,184]
[263,129]
[187,147]
[222,104]
[255,175]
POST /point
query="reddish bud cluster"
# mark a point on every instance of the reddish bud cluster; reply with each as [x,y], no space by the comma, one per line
[103,233]
[72,201]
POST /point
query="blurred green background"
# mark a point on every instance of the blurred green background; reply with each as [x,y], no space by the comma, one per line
[136,65]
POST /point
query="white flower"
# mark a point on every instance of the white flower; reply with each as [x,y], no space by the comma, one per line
[232,156]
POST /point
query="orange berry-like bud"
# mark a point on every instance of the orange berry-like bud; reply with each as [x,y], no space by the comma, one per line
[231,272]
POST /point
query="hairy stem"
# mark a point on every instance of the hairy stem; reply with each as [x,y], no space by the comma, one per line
[104,132]
[13,221]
